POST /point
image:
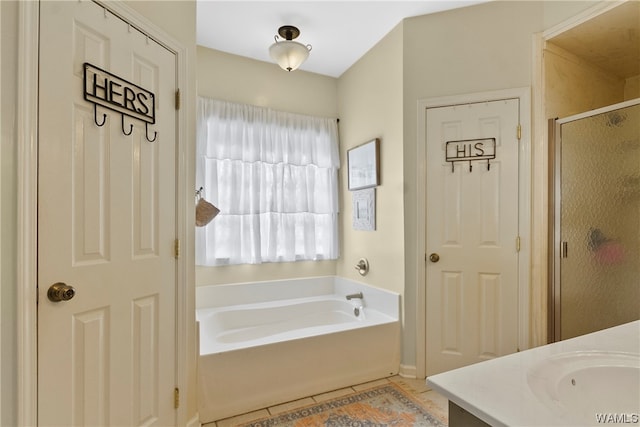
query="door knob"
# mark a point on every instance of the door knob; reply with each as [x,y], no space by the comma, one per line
[434,257]
[60,292]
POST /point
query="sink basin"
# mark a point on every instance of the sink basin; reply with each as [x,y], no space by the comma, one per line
[585,386]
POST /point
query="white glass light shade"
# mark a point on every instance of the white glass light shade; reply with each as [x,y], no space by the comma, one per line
[289,54]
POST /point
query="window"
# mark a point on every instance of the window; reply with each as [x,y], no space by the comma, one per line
[274,177]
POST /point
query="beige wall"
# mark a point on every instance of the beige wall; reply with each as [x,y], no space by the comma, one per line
[370,95]
[237,79]
[476,49]
[574,86]
[632,88]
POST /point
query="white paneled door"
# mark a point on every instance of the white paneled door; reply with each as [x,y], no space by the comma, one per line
[472,231]
[106,221]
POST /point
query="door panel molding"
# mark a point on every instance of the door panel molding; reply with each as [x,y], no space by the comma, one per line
[27,140]
[524,208]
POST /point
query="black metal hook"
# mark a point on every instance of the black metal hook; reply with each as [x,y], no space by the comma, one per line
[146,129]
[95,116]
[130,127]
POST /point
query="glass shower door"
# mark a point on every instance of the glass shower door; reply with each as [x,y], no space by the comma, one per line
[599,219]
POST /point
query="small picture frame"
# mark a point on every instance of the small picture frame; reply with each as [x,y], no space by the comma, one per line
[363,164]
[364,209]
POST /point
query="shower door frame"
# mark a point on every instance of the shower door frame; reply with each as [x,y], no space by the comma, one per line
[555,199]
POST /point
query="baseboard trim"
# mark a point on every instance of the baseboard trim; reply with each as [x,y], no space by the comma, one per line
[408,371]
[195,421]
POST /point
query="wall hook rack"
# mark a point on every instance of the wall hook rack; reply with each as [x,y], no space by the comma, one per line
[470,150]
[95,116]
[130,127]
[117,94]
[146,132]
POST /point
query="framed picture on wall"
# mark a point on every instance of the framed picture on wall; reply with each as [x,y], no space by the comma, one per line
[364,209]
[363,164]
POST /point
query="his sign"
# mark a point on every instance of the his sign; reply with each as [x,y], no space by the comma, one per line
[471,150]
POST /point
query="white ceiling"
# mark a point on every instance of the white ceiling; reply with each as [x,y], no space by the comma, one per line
[340,32]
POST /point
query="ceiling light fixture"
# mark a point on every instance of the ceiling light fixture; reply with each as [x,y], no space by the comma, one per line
[287,53]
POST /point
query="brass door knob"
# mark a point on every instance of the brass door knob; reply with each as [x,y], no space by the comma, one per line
[434,257]
[60,292]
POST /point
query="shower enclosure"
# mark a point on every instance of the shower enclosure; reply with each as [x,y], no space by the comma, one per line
[596,224]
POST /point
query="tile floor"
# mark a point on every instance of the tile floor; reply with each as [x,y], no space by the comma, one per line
[432,401]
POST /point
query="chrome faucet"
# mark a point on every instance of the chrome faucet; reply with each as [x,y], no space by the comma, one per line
[352,296]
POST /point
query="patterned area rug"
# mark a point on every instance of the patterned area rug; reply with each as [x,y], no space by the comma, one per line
[382,406]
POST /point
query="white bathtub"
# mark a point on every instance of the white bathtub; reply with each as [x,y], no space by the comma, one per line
[266,343]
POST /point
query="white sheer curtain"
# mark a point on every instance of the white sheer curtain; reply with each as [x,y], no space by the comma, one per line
[274,177]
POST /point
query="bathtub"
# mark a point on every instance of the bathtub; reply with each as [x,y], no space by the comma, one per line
[266,343]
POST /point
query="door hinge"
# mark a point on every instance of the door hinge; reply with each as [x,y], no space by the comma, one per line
[519,131]
[176,398]
[178,99]
[518,244]
[176,248]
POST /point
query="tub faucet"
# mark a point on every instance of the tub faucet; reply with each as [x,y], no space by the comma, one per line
[352,296]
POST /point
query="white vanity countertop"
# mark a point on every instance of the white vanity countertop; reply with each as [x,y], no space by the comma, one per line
[497,391]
